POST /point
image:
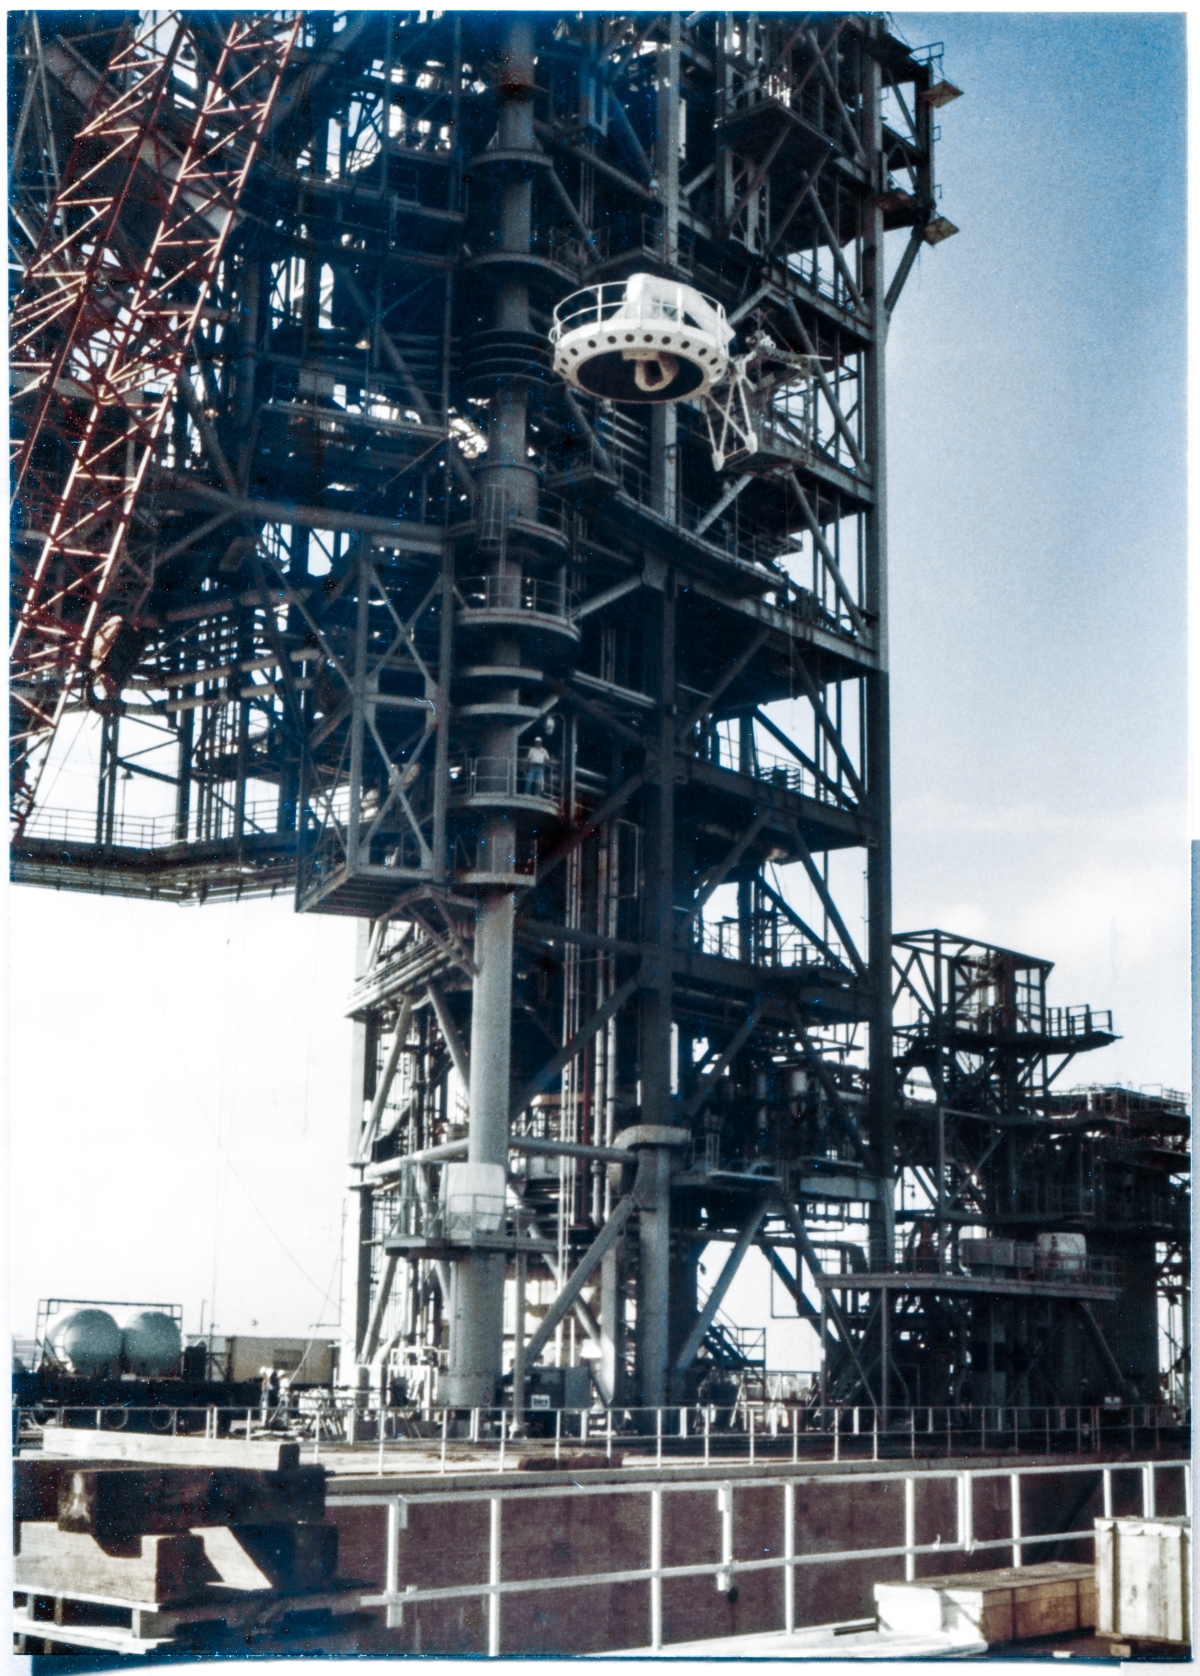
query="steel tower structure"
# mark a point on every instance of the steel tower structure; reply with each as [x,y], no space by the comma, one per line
[586,722]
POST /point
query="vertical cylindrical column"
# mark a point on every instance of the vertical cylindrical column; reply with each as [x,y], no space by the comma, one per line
[491,1010]
[356,1234]
[477,1278]
[510,488]
[611,1346]
[654,1241]
[658,914]
[518,1367]
[877,701]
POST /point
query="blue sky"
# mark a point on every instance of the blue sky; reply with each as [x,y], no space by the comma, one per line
[1036,403]
[180,1078]
[1037,479]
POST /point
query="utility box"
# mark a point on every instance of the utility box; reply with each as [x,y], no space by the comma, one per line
[473,1200]
[559,1388]
[1064,1254]
[304,1361]
[1144,1578]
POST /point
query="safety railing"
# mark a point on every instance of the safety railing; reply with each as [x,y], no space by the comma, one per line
[138,832]
[310,1413]
[463,1219]
[1053,1199]
[769,939]
[784,772]
[505,777]
[725,1430]
[772,941]
[1004,1259]
[729,534]
[975,1528]
[518,593]
[1076,1021]
[638,301]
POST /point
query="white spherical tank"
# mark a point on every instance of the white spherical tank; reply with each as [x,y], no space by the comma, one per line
[87,1341]
[151,1342]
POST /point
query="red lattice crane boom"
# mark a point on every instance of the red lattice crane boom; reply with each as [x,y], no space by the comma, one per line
[107,314]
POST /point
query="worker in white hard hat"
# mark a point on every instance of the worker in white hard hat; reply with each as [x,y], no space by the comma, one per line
[536,763]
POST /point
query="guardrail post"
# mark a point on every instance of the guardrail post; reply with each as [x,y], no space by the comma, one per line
[789,1554]
[707,1421]
[966,1513]
[445,1433]
[494,1578]
[1148,1488]
[837,1434]
[725,1510]
[910,1528]
[1014,1496]
[397,1520]
[750,1412]
[658,1436]
[608,1436]
[656,1568]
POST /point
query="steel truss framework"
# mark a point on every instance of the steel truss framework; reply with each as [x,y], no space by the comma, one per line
[113,293]
[591,737]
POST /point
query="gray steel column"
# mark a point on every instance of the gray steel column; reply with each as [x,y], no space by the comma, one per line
[477,1280]
[510,487]
[878,764]
[654,1280]
[611,1325]
[358,1229]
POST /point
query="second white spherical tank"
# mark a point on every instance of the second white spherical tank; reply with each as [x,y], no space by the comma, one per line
[151,1343]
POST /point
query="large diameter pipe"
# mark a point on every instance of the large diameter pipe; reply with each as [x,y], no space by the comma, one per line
[477,1280]
[477,1285]
[491,1011]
